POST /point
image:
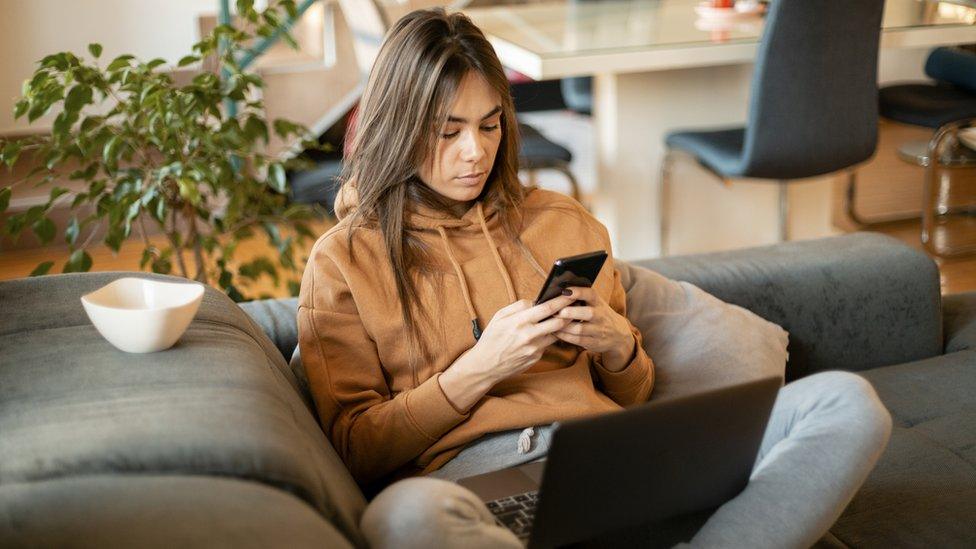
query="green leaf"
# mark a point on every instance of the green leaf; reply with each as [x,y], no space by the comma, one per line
[284,128]
[78,262]
[63,123]
[42,269]
[188,60]
[38,109]
[189,191]
[86,174]
[11,151]
[114,237]
[44,229]
[276,176]
[110,152]
[56,192]
[34,213]
[162,266]
[78,97]
[133,212]
[71,231]
[244,6]
[4,198]
[95,50]
[119,62]
[294,286]
[20,108]
[155,63]
[255,127]
[58,61]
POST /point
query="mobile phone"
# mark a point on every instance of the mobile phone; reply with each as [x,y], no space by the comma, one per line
[577,270]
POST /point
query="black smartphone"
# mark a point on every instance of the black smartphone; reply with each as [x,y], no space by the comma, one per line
[577,270]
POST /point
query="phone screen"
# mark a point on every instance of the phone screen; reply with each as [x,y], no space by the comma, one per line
[577,270]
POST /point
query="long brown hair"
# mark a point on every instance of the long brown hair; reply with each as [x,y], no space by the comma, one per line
[411,87]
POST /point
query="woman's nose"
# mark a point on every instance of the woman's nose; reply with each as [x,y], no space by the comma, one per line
[473,147]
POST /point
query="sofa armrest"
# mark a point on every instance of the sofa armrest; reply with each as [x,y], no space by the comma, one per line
[852,302]
[959,318]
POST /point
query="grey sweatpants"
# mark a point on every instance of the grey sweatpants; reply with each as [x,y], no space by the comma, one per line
[824,436]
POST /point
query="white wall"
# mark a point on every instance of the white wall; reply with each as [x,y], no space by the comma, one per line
[31,29]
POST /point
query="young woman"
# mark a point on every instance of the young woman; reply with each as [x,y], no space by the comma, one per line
[427,359]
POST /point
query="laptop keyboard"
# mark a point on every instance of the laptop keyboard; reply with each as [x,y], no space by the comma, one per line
[516,512]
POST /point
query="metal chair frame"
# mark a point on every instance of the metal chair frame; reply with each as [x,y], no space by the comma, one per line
[941,155]
[664,199]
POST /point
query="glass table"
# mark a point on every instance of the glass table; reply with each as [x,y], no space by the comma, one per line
[657,66]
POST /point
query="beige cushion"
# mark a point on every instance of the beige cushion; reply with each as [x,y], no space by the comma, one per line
[698,342]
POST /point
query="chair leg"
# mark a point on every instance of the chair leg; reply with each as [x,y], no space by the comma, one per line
[561,167]
[573,184]
[851,195]
[664,202]
[784,212]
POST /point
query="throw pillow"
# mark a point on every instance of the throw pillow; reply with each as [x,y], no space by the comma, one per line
[698,342]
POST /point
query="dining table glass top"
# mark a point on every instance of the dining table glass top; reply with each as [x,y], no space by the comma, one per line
[566,28]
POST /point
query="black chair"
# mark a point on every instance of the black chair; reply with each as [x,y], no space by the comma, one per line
[951,97]
[538,153]
[814,103]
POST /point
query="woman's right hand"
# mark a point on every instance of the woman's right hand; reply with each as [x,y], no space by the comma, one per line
[517,335]
[513,341]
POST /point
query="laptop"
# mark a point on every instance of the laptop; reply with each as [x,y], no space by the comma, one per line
[652,462]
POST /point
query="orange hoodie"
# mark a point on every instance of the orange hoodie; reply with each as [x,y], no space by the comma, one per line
[387,421]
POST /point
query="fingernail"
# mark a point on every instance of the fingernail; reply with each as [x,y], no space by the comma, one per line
[567,291]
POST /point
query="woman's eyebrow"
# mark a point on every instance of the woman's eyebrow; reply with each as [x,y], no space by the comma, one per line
[493,112]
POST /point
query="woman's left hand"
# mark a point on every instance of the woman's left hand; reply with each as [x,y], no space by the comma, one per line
[598,328]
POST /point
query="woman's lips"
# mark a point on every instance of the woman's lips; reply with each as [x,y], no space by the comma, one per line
[470,178]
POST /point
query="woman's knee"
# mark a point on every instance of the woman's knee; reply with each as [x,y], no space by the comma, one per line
[430,513]
[856,401]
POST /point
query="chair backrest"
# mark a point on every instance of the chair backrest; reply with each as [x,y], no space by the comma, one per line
[814,99]
[952,65]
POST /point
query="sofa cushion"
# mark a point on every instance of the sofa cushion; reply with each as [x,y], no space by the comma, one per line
[221,402]
[696,341]
[149,511]
[922,493]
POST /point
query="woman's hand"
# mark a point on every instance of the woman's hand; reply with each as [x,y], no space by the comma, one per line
[598,329]
[513,341]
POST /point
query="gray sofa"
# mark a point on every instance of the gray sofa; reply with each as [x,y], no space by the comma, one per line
[214,444]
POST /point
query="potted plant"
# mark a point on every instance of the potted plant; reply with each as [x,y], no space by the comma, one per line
[156,153]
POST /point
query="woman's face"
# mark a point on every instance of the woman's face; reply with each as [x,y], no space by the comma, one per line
[465,147]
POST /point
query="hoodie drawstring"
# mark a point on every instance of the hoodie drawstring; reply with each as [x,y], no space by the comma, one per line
[465,290]
[498,259]
[464,283]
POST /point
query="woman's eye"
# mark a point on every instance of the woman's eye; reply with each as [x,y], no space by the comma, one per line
[450,135]
[489,128]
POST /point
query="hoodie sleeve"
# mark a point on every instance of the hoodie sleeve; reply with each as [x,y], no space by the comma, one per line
[634,383]
[374,430]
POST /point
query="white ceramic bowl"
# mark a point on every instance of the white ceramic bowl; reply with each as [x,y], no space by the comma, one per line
[143,316]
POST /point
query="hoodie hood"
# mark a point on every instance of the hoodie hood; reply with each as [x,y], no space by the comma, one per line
[419,216]
[422,217]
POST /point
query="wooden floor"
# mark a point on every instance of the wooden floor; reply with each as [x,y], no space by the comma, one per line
[958,275]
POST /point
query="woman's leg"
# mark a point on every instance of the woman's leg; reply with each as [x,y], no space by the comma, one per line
[430,513]
[824,436]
